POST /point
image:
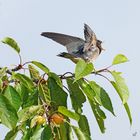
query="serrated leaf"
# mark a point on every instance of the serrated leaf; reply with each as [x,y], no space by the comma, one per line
[63,110]
[46,133]
[41,66]
[80,135]
[99,114]
[125,104]
[121,86]
[102,97]
[57,94]
[76,95]
[43,92]
[26,81]
[83,124]
[12,95]
[33,72]
[12,43]
[120,58]
[8,113]
[83,69]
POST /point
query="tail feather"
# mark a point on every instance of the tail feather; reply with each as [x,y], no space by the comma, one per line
[69,56]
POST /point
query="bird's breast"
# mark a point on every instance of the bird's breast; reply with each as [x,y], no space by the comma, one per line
[91,54]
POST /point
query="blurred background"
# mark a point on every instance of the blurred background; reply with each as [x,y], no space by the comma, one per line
[116,23]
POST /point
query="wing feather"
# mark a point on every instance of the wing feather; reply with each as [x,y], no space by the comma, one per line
[88,33]
[62,38]
[90,37]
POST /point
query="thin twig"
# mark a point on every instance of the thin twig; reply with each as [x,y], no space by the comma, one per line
[66,88]
[19,67]
[104,69]
[103,76]
[64,77]
[26,63]
[20,59]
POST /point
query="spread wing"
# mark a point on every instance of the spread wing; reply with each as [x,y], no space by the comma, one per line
[89,34]
[90,37]
[72,43]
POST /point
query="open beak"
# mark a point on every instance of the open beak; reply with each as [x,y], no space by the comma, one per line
[103,49]
[101,46]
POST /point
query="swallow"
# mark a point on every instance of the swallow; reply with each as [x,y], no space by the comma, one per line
[88,49]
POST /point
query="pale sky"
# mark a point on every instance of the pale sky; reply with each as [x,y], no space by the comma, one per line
[117,23]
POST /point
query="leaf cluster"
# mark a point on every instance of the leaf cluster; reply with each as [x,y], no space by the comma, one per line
[36,104]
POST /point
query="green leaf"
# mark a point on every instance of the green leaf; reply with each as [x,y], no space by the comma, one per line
[1,85]
[34,73]
[102,97]
[27,134]
[68,113]
[56,78]
[37,133]
[99,114]
[32,99]
[28,112]
[27,98]
[23,92]
[33,121]
[76,95]
[80,135]
[125,104]
[47,133]
[58,95]
[83,69]
[3,72]
[12,43]
[41,66]
[43,92]
[26,81]
[121,86]
[66,132]
[120,58]
[26,89]
[11,134]
[12,95]
[8,113]
[83,124]
[89,92]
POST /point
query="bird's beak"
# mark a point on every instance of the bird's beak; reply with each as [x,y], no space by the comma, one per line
[103,49]
[101,46]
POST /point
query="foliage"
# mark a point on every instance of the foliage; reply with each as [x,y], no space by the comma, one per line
[35,104]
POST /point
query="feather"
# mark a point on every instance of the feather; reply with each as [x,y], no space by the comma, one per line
[62,38]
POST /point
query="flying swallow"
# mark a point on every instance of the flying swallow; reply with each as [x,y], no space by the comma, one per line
[88,49]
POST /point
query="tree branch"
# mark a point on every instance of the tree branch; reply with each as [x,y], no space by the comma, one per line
[63,76]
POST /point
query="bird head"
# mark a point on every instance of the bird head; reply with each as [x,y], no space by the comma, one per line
[99,45]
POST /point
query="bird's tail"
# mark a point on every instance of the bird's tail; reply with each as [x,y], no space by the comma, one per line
[69,56]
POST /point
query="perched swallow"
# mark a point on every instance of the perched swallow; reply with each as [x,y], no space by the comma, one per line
[88,49]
